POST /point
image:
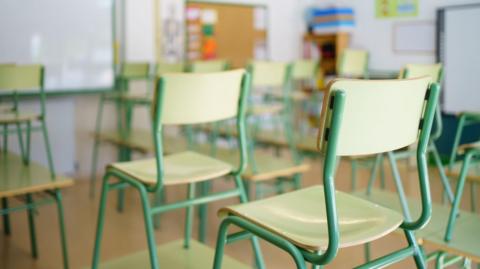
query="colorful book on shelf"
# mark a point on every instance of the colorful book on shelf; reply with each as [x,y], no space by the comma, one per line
[332,19]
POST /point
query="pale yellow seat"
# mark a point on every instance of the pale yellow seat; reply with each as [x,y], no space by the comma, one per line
[208,66]
[265,109]
[289,216]
[11,117]
[353,63]
[267,167]
[180,168]
[16,178]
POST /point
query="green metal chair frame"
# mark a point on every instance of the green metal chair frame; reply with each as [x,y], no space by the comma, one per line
[26,78]
[436,73]
[334,141]
[174,93]
[465,119]
[271,76]
[128,72]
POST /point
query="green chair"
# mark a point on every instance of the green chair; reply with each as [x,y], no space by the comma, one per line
[183,99]
[20,177]
[353,63]
[435,72]
[208,66]
[312,224]
[465,120]
[273,79]
[119,96]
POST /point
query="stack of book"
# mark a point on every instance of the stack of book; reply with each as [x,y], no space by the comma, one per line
[330,20]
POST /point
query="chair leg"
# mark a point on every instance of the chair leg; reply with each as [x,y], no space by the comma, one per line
[367,251]
[31,226]
[473,196]
[220,248]
[147,215]
[439,262]
[297,181]
[399,185]
[203,213]
[48,148]
[63,236]
[189,216]
[373,173]
[100,222]
[353,164]
[255,244]
[445,182]
[158,199]
[96,144]
[20,143]
[6,217]
[93,173]
[5,138]
[418,254]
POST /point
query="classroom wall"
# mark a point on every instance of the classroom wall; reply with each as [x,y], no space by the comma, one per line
[285,29]
[375,35]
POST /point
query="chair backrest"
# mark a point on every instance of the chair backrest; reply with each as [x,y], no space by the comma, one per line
[353,63]
[21,77]
[378,116]
[165,68]
[130,71]
[434,71]
[198,98]
[269,74]
[208,66]
[304,69]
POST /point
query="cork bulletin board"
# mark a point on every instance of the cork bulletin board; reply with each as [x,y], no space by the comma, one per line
[226,31]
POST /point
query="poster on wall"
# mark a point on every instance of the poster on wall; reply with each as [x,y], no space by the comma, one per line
[396,8]
[172,16]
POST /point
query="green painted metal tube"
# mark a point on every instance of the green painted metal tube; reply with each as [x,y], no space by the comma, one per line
[6,216]
[238,236]
[258,231]
[459,192]
[189,217]
[399,186]
[61,223]
[31,226]
[26,206]
[426,200]
[196,201]
[100,220]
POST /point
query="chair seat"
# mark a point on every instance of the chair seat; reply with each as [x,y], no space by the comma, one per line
[180,168]
[267,166]
[265,109]
[300,218]
[10,117]
[6,108]
[174,256]
[16,178]
[141,140]
[463,148]
[466,239]
[295,95]
[472,174]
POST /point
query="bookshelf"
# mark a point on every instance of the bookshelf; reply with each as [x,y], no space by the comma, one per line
[329,46]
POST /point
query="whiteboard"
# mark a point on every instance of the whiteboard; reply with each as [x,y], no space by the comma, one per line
[71,38]
[462,59]
[414,37]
